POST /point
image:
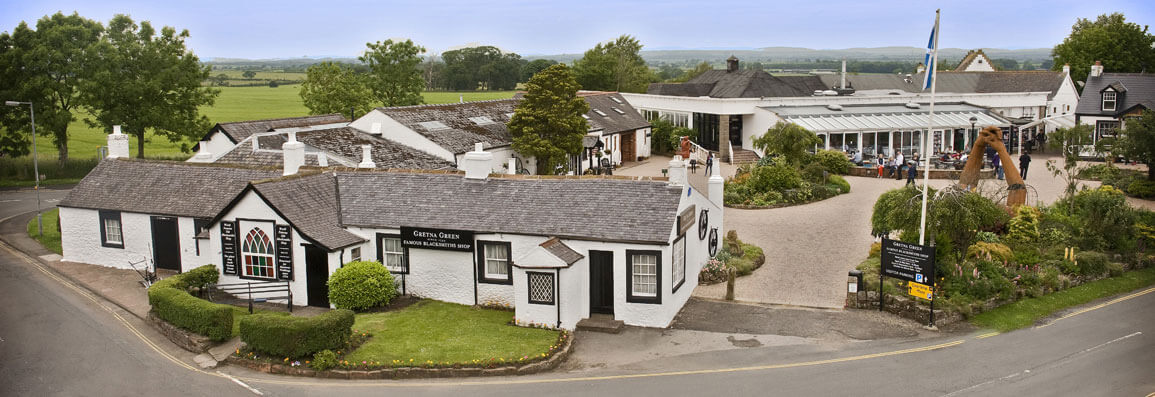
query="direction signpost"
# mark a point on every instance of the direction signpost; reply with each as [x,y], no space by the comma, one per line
[911,262]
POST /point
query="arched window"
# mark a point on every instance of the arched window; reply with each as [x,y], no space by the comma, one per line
[258,252]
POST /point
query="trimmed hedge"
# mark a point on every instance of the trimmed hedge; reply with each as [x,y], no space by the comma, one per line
[172,303]
[297,337]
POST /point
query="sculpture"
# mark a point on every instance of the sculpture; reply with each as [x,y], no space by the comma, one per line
[993,137]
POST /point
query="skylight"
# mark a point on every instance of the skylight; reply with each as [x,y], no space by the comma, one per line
[482,120]
[615,99]
[618,110]
[433,125]
[585,116]
[601,113]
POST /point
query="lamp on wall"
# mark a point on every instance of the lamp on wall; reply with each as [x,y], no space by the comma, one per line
[35,162]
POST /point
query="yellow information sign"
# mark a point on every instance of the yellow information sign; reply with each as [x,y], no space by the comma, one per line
[920,291]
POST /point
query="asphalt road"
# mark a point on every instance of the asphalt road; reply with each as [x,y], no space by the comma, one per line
[56,340]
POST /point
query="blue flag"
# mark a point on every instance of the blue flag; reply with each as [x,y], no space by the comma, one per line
[931,49]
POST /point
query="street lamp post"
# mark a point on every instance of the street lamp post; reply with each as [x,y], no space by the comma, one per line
[35,162]
[972,134]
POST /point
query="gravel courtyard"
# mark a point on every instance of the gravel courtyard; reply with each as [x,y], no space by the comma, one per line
[810,248]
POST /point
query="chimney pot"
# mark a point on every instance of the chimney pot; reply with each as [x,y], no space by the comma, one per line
[322,159]
[732,64]
[203,155]
[1096,69]
[293,153]
[677,171]
[117,143]
[367,157]
[476,164]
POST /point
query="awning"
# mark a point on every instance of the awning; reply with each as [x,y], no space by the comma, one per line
[853,122]
[1059,121]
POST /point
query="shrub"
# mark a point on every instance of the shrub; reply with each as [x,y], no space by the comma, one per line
[987,237]
[1100,218]
[834,161]
[1091,263]
[815,172]
[295,337]
[1142,188]
[171,302]
[841,183]
[1023,229]
[361,285]
[324,360]
[989,251]
[1115,269]
[875,250]
[778,176]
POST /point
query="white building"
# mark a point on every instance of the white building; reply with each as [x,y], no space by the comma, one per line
[1110,99]
[223,137]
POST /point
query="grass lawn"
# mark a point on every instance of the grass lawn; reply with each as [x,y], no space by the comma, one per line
[446,332]
[436,97]
[1026,312]
[51,238]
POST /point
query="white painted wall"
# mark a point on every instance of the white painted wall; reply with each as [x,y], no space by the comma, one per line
[979,64]
[81,241]
[642,137]
[397,132]
[218,145]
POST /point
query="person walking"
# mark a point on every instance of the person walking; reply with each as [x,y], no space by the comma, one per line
[899,162]
[995,162]
[709,163]
[1024,162]
[911,170]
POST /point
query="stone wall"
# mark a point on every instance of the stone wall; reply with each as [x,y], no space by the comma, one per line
[185,339]
[903,307]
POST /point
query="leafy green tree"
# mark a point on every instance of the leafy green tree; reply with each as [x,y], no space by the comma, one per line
[394,77]
[535,66]
[953,217]
[1137,141]
[788,140]
[145,81]
[249,74]
[696,71]
[666,136]
[614,66]
[548,123]
[334,88]
[1068,141]
[46,67]
[1123,47]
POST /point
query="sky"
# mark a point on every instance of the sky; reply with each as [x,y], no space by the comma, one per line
[295,28]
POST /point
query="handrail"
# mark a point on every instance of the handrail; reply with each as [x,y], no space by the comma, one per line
[260,287]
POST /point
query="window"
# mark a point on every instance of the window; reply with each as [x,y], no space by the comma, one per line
[200,225]
[643,270]
[601,113]
[481,120]
[540,287]
[355,254]
[392,254]
[615,99]
[433,125]
[679,264]
[111,234]
[585,116]
[618,111]
[493,262]
[1106,129]
[258,254]
[1109,100]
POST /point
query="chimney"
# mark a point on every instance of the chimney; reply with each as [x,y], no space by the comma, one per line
[294,154]
[1067,68]
[677,171]
[716,184]
[1097,69]
[203,155]
[512,166]
[117,143]
[843,83]
[476,163]
[322,159]
[732,64]
[256,143]
[375,129]
[367,157]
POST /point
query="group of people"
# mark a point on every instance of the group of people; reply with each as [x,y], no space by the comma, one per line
[893,166]
[997,163]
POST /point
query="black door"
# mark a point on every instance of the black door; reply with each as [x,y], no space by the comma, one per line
[317,272]
[602,282]
[165,243]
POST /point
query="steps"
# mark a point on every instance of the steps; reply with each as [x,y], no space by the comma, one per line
[743,156]
[601,323]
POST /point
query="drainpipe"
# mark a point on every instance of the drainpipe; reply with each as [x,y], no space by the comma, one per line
[557,296]
[475,274]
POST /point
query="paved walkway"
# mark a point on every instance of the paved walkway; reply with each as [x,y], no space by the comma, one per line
[810,248]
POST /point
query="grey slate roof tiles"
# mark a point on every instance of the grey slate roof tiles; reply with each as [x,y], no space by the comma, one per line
[346,142]
[309,202]
[1140,90]
[629,119]
[238,131]
[591,209]
[557,248]
[162,188]
[462,133]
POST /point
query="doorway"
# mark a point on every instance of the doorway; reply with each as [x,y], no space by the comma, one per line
[602,282]
[165,243]
[629,147]
[317,272]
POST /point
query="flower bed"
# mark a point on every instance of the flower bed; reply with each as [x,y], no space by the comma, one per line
[740,257]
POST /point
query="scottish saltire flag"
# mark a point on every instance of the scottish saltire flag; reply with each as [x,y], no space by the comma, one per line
[931,49]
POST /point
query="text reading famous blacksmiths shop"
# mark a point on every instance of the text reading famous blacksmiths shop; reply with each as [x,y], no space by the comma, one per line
[905,261]
[437,239]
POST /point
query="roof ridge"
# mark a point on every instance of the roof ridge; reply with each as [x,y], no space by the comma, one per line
[282,118]
[195,164]
[299,175]
[425,105]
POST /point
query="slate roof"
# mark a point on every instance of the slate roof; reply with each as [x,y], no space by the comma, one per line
[162,187]
[239,130]
[309,203]
[342,146]
[1140,91]
[613,122]
[745,83]
[244,155]
[557,248]
[460,133]
[584,209]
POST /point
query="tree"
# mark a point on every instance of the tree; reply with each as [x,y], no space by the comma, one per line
[535,66]
[46,67]
[1121,46]
[696,71]
[1137,141]
[334,88]
[788,140]
[614,66]
[394,77]
[249,74]
[147,81]
[1069,141]
[548,123]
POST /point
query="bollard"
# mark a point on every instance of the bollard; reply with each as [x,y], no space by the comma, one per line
[857,274]
[730,285]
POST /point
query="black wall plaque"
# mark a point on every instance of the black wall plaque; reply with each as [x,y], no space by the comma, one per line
[284,241]
[906,261]
[229,247]
[436,239]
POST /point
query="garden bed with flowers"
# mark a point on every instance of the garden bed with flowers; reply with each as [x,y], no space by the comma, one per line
[428,339]
[734,255]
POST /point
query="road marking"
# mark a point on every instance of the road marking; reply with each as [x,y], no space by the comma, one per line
[9,201]
[238,381]
[986,335]
[83,292]
[1099,306]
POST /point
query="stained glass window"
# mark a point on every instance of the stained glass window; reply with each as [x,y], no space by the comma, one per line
[258,254]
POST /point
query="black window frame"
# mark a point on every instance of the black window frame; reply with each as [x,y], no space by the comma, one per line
[103,215]
[552,288]
[1103,126]
[657,298]
[674,288]
[480,253]
[381,253]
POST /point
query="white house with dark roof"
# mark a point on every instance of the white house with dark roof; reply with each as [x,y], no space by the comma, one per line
[1110,99]
[557,249]
[224,136]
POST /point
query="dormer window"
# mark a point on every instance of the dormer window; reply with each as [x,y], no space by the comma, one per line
[1109,100]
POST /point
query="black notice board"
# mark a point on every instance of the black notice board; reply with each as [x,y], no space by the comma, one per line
[906,261]
[229,247]
[436,239]
[284,241]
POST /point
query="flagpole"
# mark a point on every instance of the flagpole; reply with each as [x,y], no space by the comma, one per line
[929,131]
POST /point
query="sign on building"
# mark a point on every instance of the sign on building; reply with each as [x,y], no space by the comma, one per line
[906,261]
[284,241]
[229,247]
[436,239]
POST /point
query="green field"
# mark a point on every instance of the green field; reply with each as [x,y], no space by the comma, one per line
[234,104]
